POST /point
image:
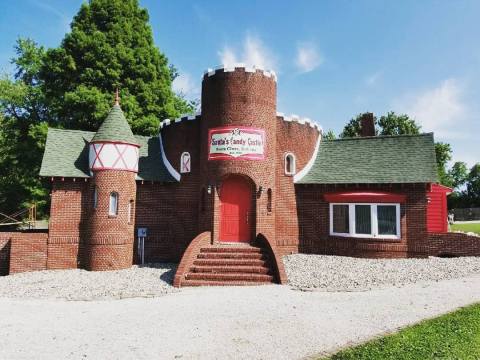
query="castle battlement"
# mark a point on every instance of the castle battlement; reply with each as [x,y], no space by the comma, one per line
[239,67]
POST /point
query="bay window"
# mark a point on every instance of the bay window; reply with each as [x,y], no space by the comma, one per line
[368,220]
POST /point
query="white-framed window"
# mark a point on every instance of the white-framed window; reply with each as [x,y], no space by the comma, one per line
[289,160]
[113,204]
[365,220]
[185,163]
[95,197]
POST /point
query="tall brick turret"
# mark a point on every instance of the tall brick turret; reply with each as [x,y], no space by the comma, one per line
[239,105]
[113,161]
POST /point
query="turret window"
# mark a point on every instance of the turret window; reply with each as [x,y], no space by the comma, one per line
[130,212]
[269,200]
[290,164]
[185,163]
[113,204]
[95,197]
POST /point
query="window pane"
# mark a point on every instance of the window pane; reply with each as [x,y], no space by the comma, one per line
[363,220]
[340,219]
[113,204]
[95,198]
[387,219]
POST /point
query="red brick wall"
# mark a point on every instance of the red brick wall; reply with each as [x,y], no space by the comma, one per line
[170,213]
[313,217]
[26,252]
[448,244]
[70,203]
[300,140]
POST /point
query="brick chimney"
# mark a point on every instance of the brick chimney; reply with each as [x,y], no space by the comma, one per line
[367,125]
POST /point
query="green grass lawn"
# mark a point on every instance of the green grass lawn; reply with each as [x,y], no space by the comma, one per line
[473,227]
[451,336]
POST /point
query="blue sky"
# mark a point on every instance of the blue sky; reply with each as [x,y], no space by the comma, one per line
[334,59]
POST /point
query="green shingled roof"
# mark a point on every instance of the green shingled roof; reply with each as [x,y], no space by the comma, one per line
[115,128]
[66,155]
[380,159]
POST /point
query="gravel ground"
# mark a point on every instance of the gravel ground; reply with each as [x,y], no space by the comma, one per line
[147,281]
[339,273]
[263,322]
[306,272]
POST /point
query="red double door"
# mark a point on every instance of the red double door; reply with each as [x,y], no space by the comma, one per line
[235,210]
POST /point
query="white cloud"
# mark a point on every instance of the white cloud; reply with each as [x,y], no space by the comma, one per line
[184,84]
[308,58]
[254,53]
[227,56]
[439,109]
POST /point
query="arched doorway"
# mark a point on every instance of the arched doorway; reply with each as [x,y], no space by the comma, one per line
[236,210]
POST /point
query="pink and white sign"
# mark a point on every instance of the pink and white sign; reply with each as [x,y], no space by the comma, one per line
[236,142]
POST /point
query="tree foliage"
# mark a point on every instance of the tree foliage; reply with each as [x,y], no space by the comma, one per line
[466,183]
[393,124]
[353,128]
[329,135]
[23,127]
[110,46]
[473,186]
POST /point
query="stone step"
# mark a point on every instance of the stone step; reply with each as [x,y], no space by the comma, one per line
[230,262]
[231,249]
[230,255]
[229,277]
[222,283]
[230,269]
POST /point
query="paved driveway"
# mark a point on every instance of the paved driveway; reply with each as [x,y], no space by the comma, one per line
[269,322]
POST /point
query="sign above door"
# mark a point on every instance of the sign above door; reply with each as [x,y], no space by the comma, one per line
[236,142]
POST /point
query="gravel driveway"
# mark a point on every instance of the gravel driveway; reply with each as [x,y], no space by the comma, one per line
[341,273]
[312,272]
[265,322]
[147,281]
[137,314]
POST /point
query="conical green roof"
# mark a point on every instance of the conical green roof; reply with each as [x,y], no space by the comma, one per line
[115,128]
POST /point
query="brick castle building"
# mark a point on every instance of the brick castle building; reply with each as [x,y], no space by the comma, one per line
[229,191]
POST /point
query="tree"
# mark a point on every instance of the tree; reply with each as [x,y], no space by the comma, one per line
[473,186]
[443,154]
[394,124]
[329,135]
[458,174]
[110,46]
[23,130]
[352,128]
